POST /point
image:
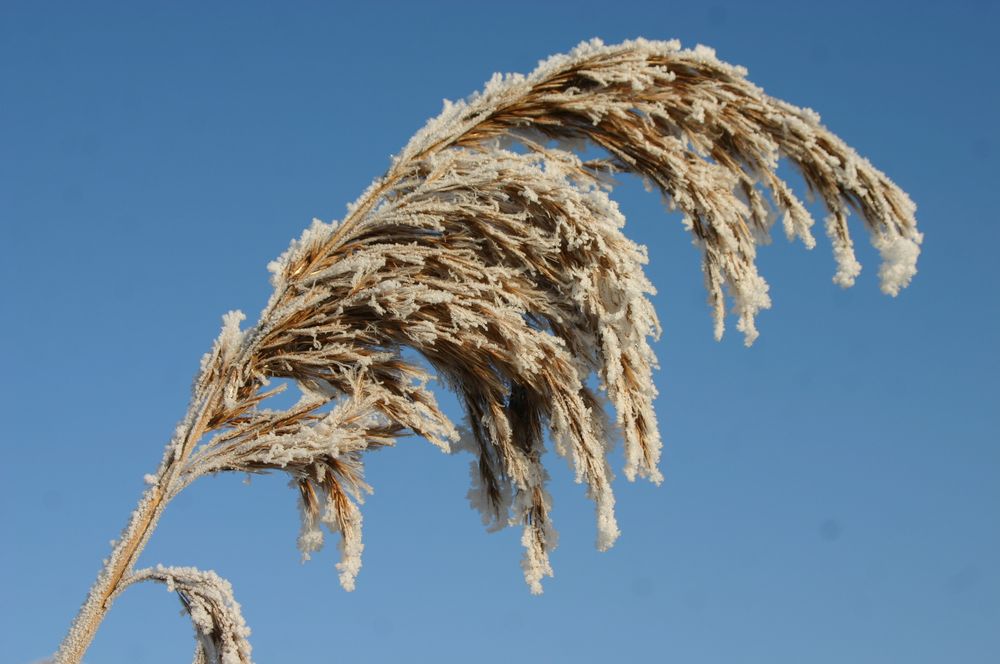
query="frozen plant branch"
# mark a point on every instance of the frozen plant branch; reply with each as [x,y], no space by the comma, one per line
[220,631]
[493,250]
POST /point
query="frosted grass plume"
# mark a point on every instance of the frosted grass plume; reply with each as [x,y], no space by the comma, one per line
[492,250]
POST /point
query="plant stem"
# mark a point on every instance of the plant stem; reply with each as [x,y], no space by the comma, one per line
[134,538]
[118,565]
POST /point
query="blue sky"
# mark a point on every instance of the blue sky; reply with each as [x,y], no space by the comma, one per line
[831,494]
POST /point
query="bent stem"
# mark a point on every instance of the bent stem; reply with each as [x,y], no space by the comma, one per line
[113,576]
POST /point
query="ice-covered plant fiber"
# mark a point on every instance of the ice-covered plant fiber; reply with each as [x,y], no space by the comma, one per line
[492,250]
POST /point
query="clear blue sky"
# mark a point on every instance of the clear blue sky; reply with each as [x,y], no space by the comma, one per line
[832,493]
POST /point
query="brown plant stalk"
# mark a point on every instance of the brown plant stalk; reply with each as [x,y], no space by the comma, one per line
[492,249]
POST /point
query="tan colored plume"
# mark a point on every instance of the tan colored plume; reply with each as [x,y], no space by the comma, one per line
[492,250]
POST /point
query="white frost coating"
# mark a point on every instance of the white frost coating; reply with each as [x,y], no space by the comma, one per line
[750,297]
[479,500]
[350,545]
[340,514]
[310,537]
[899,261]
[607,524]
[227,343]
[231,336]
[220,630]
[797,224]
[848,267]
[535,562]
[315,234]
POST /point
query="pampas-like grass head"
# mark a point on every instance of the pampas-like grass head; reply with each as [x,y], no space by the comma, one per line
[492,250]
